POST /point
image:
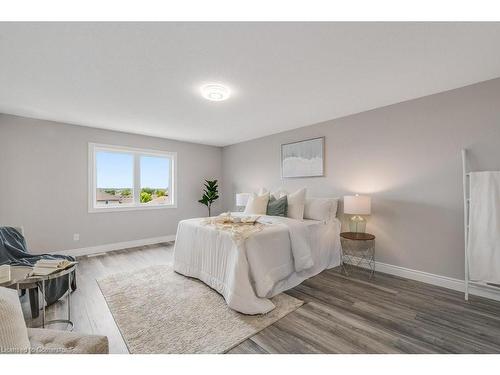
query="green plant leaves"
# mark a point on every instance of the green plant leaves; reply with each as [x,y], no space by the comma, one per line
[210,194]
[146,197]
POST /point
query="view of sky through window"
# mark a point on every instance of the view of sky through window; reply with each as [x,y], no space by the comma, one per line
[155,172]
[114,170]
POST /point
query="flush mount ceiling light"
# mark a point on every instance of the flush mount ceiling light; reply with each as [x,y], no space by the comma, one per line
[215,92]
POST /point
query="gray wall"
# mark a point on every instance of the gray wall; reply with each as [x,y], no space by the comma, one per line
[406,156]
[43,185]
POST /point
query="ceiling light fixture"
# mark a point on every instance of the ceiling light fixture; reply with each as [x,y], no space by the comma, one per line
[215,92]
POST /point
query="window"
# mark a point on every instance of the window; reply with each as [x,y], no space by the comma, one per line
[123,178]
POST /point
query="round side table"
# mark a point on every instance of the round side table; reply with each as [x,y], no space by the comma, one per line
[20,279]
[358,249]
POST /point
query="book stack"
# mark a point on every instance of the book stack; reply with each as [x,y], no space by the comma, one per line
[47,266]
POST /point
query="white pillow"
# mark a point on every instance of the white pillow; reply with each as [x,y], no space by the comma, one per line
[323,209]
[296,203]
[279,193]
[13,331]
[257,204]
[262,191]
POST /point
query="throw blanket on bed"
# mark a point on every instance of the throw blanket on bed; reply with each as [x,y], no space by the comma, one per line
[13,251]
[239,231]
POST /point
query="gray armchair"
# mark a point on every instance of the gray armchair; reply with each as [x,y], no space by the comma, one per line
[16,338]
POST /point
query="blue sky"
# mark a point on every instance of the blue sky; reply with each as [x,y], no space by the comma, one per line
[155,172]
[116,170]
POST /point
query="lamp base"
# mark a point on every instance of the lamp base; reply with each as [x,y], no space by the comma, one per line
[357,224]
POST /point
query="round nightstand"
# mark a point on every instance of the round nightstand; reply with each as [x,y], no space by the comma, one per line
[358,249]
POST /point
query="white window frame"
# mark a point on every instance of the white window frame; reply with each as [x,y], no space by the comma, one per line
[137,153]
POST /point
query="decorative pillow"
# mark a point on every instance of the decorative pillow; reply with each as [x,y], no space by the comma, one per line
[323,209]
[13,332]
[257,204]
[277,207]
[296,203]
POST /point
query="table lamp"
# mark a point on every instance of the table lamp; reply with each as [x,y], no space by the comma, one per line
[242,200]
[357,205]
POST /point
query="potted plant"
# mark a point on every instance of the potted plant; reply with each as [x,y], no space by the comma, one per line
[210,194]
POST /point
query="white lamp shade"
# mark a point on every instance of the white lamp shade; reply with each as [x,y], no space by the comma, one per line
[357,205]
[242,199]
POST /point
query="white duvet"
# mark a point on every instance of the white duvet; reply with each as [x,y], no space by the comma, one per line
[247,273]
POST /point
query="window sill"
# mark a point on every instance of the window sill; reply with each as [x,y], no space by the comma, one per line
[93,210]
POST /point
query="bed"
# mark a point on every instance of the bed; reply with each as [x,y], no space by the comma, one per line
[249,272]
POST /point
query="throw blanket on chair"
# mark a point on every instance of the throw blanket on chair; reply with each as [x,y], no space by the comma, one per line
[13,251]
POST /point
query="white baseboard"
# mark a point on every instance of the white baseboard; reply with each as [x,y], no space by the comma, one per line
[115,246]
[430,278]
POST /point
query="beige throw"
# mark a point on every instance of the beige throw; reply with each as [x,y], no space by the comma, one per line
[239,231]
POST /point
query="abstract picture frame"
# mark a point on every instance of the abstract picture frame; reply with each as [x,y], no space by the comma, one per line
[303,158]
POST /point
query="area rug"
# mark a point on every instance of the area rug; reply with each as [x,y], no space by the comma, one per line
[160,311]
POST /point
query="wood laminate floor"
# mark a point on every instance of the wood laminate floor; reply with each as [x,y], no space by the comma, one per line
[341,314]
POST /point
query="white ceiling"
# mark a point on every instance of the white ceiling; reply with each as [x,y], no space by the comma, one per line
[144,77]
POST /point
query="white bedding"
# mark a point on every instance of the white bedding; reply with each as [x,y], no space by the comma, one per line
[248,273]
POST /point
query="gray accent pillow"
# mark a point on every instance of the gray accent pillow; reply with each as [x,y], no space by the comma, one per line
[277,207]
